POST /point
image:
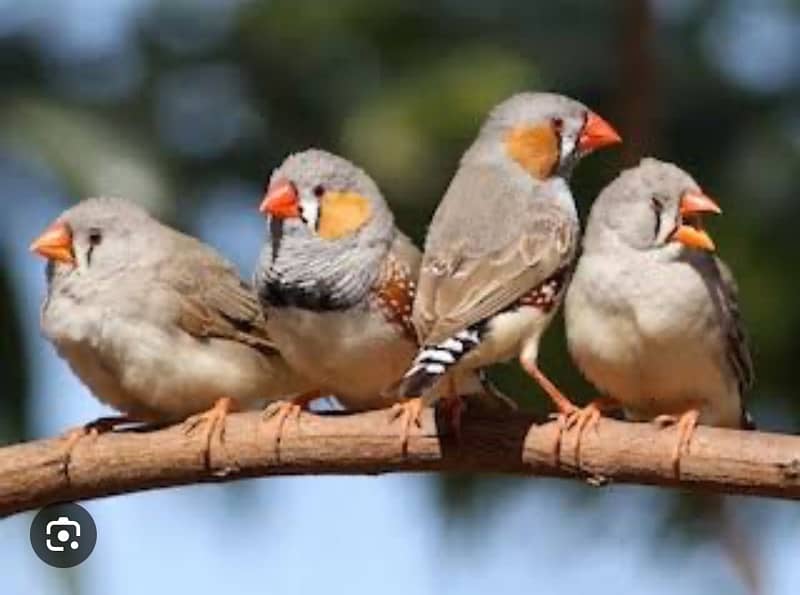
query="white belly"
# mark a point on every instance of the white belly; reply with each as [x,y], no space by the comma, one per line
[161,375]
[641,354]
[354,354]
[510,335]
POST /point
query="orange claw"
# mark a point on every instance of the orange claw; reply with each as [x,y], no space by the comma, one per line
[686,424]
[93,429]
[409,411]
[284,410]
[213,420]
[586,418]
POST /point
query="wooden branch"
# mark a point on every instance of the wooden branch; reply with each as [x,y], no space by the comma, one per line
[34,474]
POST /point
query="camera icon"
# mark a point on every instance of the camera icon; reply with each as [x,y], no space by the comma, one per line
[63,535]
[65,530]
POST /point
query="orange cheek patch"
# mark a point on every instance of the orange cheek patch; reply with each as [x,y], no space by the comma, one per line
[535,148]
[341,214]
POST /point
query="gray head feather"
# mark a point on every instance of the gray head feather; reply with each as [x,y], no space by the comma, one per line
[105,233]
[314,272]
[640,208]
[529,109]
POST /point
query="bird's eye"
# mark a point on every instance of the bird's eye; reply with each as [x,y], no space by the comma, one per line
[95,237]
[319,190]
[558,124]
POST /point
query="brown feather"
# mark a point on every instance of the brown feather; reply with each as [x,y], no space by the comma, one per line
[738,350]
[396,286]
[487,247]
[214,301]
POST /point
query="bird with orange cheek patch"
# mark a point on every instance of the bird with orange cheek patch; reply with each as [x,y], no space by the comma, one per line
[652,314]
[337,281]
[502,243]
[155,323]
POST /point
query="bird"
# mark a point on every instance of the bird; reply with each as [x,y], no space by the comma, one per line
[337,280]
[155,323]
[502,242]
[652,314]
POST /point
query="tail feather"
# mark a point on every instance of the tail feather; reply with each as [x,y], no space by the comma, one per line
[417,383]
[433,362]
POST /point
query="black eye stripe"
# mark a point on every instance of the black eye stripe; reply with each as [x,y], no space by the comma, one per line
[95,238]
[558,128]
[658,209]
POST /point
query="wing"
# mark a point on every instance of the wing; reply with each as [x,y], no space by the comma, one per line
[737,344]
[213,300]
[480,260]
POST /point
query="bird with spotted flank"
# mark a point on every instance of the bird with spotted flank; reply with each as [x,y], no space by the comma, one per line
[502,243]
[337,280]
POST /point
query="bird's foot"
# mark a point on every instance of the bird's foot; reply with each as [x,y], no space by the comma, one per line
[213,422]
[565,407]
[562,418]
[686,425]
[408,411]
[282,411]
[585,418]
[93,429]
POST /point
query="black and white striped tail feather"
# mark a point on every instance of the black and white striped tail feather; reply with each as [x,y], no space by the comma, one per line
[433,361]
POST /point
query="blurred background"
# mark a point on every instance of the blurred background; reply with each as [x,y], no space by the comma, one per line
[187,105]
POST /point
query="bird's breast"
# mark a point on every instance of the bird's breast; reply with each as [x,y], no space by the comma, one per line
[355,353]
[650,344]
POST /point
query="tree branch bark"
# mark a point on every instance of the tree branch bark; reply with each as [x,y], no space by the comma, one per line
[35,474]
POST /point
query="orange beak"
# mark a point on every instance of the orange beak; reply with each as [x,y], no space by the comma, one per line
[694,238]
[596,134]
[55,243]
[693,204]
[281,201]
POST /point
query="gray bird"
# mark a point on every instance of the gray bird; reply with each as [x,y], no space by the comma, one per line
[155,323]
[337,279]
[502,243]
[652,314]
